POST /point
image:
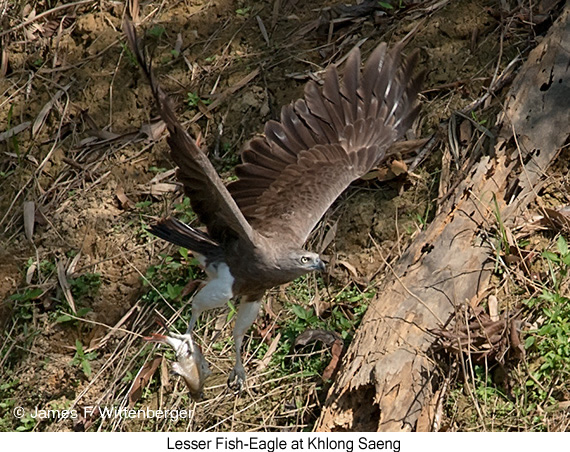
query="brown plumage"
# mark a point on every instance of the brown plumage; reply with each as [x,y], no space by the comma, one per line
[256,226]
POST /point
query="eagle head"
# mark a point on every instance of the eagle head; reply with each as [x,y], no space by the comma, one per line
[302,261]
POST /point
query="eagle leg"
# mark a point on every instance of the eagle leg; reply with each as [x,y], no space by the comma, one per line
[247,313]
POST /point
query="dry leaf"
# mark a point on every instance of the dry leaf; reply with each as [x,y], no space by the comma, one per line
[162,188]
[270,351]
[86,417]
[263,30]
[14,131]
[164,375]
[493,308]
[30,272]
[321,306]
[44,112]
[112,331]
[161,176]
[52,26]
[398,167]
[329,237]
[561,217]
[427,421]
[64,283]
[374,174]
[192,286]
[351,268]
[73,264]
[227,93]
[336,352]
[133,9]
[465,132]
[124,202]
[178,44]
[3,63]
[329,338]
[153,130]
[29,219]
[407,146]
[142,379]
[324,336]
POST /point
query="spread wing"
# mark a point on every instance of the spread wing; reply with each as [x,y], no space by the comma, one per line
[208,195]
[323,142]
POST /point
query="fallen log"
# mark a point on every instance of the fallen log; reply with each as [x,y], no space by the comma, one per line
[386,378]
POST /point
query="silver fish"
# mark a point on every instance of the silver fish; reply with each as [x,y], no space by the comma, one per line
[190,363]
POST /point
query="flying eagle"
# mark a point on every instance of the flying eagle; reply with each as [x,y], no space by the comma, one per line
[257,225]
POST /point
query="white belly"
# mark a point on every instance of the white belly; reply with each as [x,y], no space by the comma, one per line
[219,287]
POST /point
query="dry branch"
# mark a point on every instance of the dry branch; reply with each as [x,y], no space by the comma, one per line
[387,373]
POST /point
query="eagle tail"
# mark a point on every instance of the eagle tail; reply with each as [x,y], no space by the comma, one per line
[181,234]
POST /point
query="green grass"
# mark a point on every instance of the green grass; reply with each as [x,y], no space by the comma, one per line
[193,100]
[343,317]
[81,359]
[524,394]
[548,344]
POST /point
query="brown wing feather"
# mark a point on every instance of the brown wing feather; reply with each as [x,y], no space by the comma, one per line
[292,206]
[325,141]
[209,197]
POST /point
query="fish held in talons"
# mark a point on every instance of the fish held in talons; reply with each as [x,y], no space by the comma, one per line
[190,364]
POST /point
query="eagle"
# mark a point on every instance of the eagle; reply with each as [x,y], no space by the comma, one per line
[256,226]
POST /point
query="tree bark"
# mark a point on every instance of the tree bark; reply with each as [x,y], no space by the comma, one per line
[387,374]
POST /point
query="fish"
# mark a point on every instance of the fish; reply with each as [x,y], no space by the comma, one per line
[190,363]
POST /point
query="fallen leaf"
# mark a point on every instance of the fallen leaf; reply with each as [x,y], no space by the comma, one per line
[133,9]
[336,352]
[162,188]
[142,379]
[4,63]
[407,146]
[493,308]
[269,353]
[329,338]
[161,176]
[30,272]
[560,217]
[153,130]
[87,415]
[321,306]
[29,219]
[465,132]
[398,167]
[52,26]
[124,202]
[192,286]
[165,375]
[329,237]
[313,335]
[14,131]
[65,286]
[351,268]
[44,112]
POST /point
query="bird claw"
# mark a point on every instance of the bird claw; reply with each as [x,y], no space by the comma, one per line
[236,380]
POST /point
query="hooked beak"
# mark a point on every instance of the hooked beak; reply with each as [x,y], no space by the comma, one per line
[320,266]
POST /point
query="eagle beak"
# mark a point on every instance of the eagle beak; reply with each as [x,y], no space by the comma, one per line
[320,266]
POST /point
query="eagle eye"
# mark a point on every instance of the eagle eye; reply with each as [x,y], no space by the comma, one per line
[305,260]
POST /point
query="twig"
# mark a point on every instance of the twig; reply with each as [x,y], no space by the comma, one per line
[47,13]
